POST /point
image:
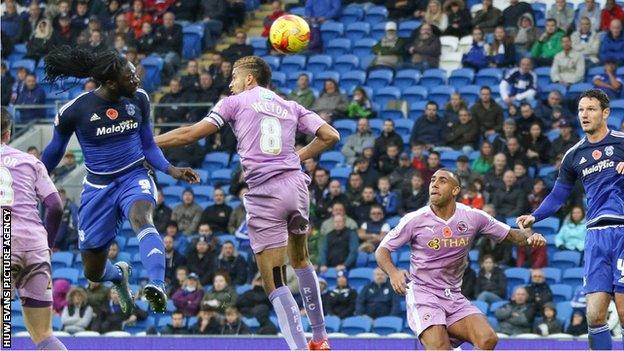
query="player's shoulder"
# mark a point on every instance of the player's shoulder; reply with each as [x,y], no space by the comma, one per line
[142,95]
[469,211]
[21,156]
[569,155]
[408,217]
[78,103]
[617,134]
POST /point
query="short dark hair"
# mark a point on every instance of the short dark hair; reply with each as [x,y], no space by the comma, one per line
[6,120]
[452,173]
[431,102]
[485,87]
[257,67]
[552,20]
[598,95]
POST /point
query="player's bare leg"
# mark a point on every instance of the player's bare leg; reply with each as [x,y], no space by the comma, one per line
[38,322]
[272,267]
[619,305]
[152,252]
[435,338]
[476,330]
[98,268]
[309,288]
[599,333]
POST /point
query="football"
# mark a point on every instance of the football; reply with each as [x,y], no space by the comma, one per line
[289,34]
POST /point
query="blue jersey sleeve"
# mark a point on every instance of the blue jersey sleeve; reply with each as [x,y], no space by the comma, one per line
[567,174]
[153,154]
[64,126]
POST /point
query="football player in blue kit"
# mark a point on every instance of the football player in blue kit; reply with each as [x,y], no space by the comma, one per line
[114,131]
[598,161]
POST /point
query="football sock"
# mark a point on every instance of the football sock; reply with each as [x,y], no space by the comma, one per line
[311,295]
[289,318]
[152,252]
[600,337]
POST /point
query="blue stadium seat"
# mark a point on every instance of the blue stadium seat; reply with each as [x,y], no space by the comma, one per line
[543,75]
[127,231]
[319,63]
[379,78]
[278,79]
[552,134]
[378,31]
[547,226]
[338,46]
[493,322]
[359,277]
[565,260]
[433,77]
[221,176]
[251,323]
[330,276]
[331,159]
[470,93]
[403,126]
[70,274]
[449,158]
[546,89]
[404,260]
[293,77]
[387,325]
[346,63]
[165,179]
[617,108]
[16,307]
[441,94]
[356,325]
[345,127]
[125,257]
[332,324]
[26,63]
[593,72]
[577,89]
[561,292]
[406,78]
[216,160]
[564,312]
[496,305]
[132,247]
[173,193]
[461,77]
[489,77]
[57,322]
[473,255]
[394,113]
[366,61]
[364,46]
[516,276]
[407,27]
[273,61]
[573,276]
[292,63]
[192,40]
[350,80]
[259,44]
[321,77]
[299,11]
[552,274]
[376,14]
[362,259]
[481,305]
[203,192]
[351,14]
[153,67]
[62,260]
[417,108]
[341,174]
[331,30]
[376,126]
[414,94]
[357,30]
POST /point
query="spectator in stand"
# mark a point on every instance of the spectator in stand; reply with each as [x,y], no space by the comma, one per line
[473,196]
[363,167]
[533,257]
[162,213]
[500,252]
[388,137]
[146,42]
[355,185]
[389,200]
[414,197]
[113,252]
[181,274]
[190,81]
[433,164]
[254,302]
[426,48]
[184,10]
[239,48]
[404,9]
[389,161]
[318,187]
[176,327]
[609,82]
[538,290]
[502,52]
[110,318]
[77,315]
[331,103]
[207,322]
[372,231]
[571,235]
[317,12]
[514,153]
[578,324]
[586,41]
[13,25]
[276,7]
[493,179]
[488,113]
[517,316]
[487,18]
[233,325]
[429,128]
[463,171]
[451,110]
[239,214]
[96,42]
[612,11]
[482,164]
[492,283]
[222,295]
[400,178]
[214,15]
[511,200]
[526,34]
[548,45]
[354,146]
[232,262]
[566,139]
[544,109]
[475,56]
[173,259]
[202,260]
[342,299]
[464,134]
[187,298]
[360,106]
[378,299]
[459,18]
[6,84]
[137,16]
[548,323]
[173,114]
[120,45]
[67,235]
[468,282]
[205,92]
[563,14]
[537,145]
[389,50]
[168,44]
[568,67]
[40,41]
[68,164]
[418,159]
[526,120]
[338,248]
[435,16]
[187,214]
[362,210]
[523,179]
[537,194]
[612,44]
[31,94]
[513,13]
[217,215]
[302,94]
[333,196]
[591,10]
[97,295]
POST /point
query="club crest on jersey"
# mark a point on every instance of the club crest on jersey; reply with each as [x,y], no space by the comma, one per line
[112,114]
[462,227]
[447,232]
[609,150]
[597,154]
[266,95]
[130,109]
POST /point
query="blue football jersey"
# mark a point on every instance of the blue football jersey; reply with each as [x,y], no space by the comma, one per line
[594,164]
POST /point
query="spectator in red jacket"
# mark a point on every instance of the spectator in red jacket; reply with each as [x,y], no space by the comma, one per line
[276,7]
[137,17]
[611,11]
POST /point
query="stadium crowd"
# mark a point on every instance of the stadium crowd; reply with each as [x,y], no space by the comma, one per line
[506,146]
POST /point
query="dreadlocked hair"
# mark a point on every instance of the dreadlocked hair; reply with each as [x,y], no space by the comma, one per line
[67,61]
[257,67]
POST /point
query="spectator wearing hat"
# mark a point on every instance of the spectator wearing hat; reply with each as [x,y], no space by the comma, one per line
[187,214]
[401,176]
[608,82]
[568,66]
[612,44]
[341,300]
[378,299]
[464,134]
[389,50]
[415,196]
[187,298]
[429,128]
[487,112]
[222,295]
[373,230]
[232,262]
[578,324]
[207,322]
[354,146]
[202,260]
[339,247]
[218,214]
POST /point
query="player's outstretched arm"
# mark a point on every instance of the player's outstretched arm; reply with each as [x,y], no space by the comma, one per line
[549,206]
[523,237]
[53,216]
[326,137]
[398,279]
[186,135]
[55,150]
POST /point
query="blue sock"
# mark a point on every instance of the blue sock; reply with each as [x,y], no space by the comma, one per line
[600,337]
[111,273]
[152,252]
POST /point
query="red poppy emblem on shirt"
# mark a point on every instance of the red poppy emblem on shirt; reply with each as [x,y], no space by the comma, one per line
[447,232]
[597,154]
[112,113]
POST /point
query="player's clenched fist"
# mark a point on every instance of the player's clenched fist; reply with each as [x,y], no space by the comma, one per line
[620,168]
[184,173]
[398,281]
[536,240]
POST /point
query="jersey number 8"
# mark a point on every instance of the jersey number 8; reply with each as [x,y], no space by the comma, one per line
[6,187]
[271,136]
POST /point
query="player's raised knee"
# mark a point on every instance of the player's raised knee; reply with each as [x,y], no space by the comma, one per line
[486,340]
[140,214]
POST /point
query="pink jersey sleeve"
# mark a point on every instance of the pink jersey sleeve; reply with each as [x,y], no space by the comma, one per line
[43,184]
[399,236]
[223,112]
[308,121]
[490,226]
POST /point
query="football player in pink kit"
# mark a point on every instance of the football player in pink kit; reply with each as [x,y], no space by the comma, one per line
[23,180]
[277,203]
[440,236]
